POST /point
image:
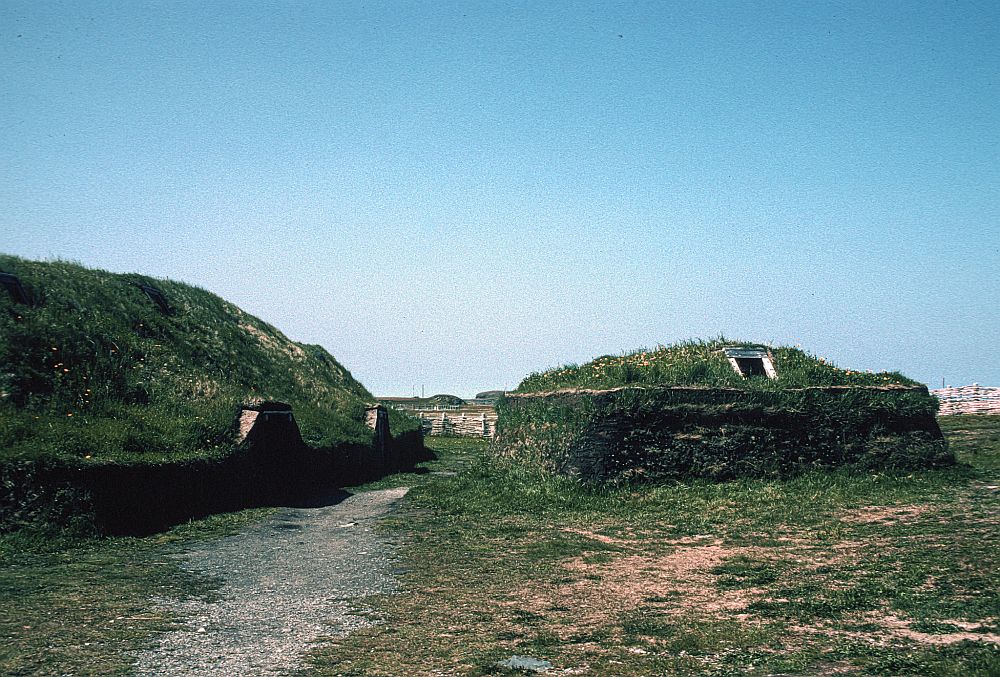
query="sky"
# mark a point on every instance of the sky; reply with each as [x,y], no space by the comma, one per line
[449,196]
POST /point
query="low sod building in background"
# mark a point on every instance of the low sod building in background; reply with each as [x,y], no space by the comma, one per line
[719,410]
[121,398]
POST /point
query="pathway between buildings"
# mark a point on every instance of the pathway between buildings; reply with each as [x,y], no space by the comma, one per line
[286,582]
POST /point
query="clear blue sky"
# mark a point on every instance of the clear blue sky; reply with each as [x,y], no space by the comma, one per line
[453,195]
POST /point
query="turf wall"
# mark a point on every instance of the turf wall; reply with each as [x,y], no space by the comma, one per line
[271,467]
[657,434]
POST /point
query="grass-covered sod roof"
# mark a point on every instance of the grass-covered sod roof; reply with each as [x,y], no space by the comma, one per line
[694,410]
[126,367]
[702,363]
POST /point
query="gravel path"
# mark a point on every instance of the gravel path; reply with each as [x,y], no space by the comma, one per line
[287,582]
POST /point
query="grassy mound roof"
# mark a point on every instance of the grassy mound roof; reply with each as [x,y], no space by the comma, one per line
[702,363]
[126,367]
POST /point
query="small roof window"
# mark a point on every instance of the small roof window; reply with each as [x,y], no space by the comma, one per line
[748,362]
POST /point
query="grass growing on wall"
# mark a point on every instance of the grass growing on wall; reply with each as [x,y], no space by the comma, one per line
[664,434]
[682,410]
[95,369]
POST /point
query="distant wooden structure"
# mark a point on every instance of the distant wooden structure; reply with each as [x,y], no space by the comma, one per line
[472,421]
[473,418]
[972,399]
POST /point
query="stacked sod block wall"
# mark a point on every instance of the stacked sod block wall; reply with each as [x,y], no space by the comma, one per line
[271,466]
[665,433]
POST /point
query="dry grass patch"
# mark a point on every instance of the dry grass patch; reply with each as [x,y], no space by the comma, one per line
[870,514]
[599,588]
[885,629]
[952,631]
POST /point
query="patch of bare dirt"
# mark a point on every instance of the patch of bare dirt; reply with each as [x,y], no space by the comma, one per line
[894,628]
[600,538]
[900,627]
[881,514]
[599,592]
[600,586]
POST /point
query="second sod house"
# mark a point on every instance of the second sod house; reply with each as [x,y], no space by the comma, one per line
[719,410]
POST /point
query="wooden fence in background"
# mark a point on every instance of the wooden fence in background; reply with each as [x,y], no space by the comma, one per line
[469,421]
[974,399]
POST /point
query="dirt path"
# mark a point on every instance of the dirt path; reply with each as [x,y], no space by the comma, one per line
[287,582]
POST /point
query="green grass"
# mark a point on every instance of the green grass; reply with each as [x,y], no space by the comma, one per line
[72,605]
[655,434]
[812,575]
[861,573]
[97,375]
[95,369]
[701,363]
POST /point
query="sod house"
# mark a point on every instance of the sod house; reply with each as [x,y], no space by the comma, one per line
[716,409]
[131,403]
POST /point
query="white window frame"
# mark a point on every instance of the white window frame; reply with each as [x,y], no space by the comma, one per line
[767,360]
